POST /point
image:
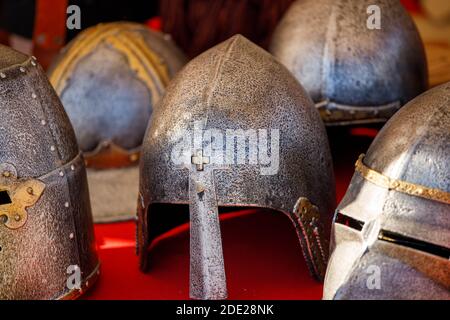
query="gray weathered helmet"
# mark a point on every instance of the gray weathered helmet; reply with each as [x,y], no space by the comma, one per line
[391,233]
[354,74]
[235,129]
[109,79]
[46,229]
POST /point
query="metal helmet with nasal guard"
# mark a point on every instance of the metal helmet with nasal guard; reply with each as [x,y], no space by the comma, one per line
[359,60]
[235,129]
[109,79]
[391,234]
[47,247]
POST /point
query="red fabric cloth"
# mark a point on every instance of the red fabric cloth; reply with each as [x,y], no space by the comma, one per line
[263,259]
[263,262]
[413,6]
[154,23]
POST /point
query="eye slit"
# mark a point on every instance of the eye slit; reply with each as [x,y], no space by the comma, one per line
[348,221]
[416,244]
[4,198]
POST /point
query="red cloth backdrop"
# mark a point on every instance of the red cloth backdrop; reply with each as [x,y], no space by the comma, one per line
[263,258]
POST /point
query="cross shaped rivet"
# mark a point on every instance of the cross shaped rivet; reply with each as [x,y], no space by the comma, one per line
[199,160]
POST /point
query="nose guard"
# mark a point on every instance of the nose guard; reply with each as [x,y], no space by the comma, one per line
[208,175]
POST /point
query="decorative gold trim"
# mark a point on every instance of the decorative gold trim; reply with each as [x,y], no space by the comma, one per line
[127,39]
[23,193]
[400,186]
[87,284]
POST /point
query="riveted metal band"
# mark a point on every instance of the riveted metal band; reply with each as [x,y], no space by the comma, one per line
[308,216]
[400,186]
[88,283]
[334,113]
[108,155]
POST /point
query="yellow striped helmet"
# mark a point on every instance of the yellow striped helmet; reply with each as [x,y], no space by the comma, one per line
[109,78]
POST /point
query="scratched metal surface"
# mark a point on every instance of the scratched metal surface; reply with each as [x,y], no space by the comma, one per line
[414,146]
[37,139]
[237,85]
[327,46]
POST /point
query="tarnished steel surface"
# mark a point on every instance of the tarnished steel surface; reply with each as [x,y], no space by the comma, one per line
[109,79]
[353,73]
[28,102]
[37,140]
[406,274]
[235,92]
[207,274]
[402,211]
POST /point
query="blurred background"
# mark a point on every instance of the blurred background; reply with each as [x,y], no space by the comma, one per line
[38,27]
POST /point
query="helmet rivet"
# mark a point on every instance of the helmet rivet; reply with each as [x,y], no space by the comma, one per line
[61,173]
[134,157]
[33,63]
[52,148]
[43,122]
[34,96]
[66,204]
[22,69]
[316,231]
[17,217]
[6,174]
[30,190]
[71,236]
[2,75]
[72,167]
